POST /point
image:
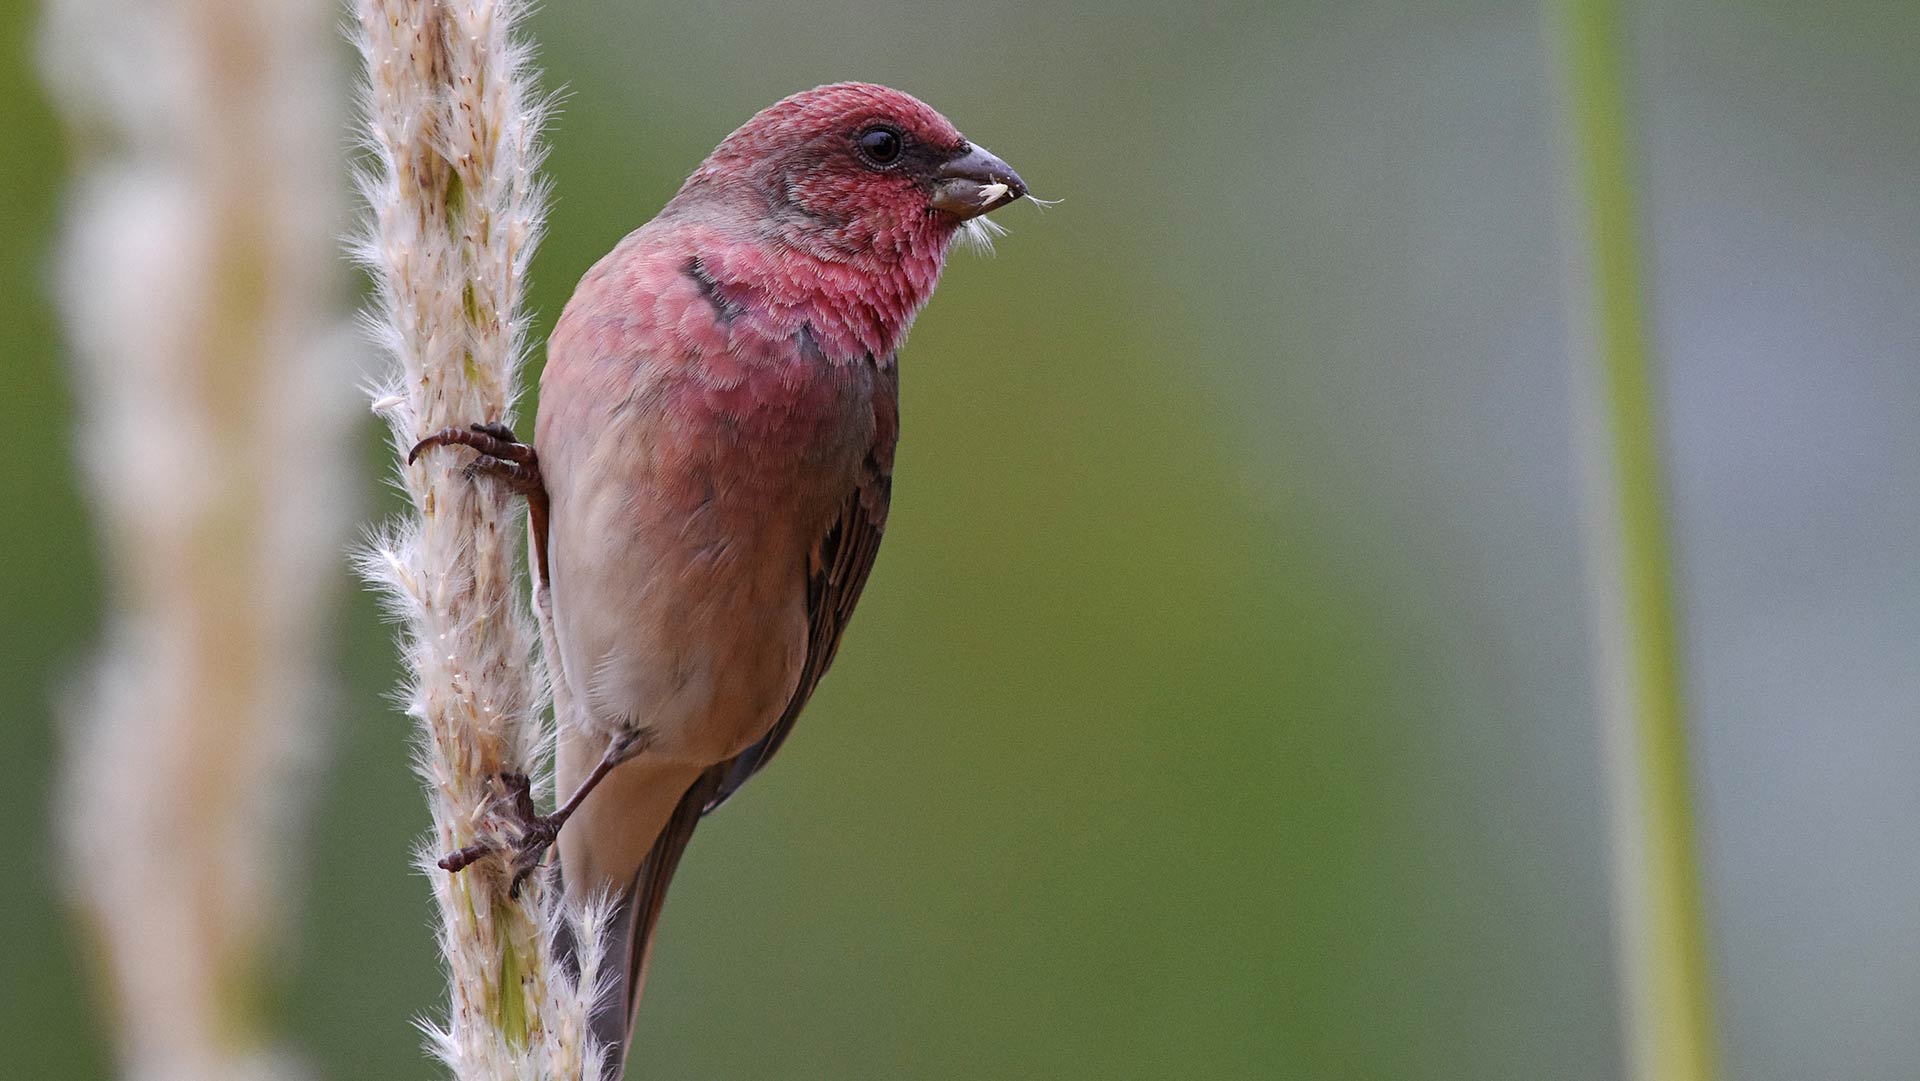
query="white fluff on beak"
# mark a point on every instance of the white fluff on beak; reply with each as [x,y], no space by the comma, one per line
[978,234]
[991,193]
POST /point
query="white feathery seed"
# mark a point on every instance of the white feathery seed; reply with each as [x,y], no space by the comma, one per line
[979,233]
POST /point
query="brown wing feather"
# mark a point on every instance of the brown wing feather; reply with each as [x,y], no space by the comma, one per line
[837,575]
[846,557]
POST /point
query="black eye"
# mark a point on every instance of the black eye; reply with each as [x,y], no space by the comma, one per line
[880,145]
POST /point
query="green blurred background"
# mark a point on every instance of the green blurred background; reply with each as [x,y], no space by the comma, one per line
[1220,707]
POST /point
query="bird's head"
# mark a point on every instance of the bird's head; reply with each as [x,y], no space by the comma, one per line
[854,171]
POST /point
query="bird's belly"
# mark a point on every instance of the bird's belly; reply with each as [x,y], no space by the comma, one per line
[697,638]
[716,662]
[680,584]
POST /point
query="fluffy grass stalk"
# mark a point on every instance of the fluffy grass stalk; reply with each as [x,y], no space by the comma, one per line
[1661,936]
[199,286]
[455,203]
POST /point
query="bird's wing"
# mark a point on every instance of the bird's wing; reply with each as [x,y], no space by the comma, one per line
[837,570]
[836,573]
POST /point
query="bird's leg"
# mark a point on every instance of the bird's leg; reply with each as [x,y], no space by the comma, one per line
[504,456]
[534,833]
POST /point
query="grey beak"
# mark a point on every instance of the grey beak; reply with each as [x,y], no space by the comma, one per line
[974,183]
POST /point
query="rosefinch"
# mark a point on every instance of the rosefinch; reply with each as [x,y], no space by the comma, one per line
[715,434]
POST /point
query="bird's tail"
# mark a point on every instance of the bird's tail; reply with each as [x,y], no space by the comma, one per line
[636,913]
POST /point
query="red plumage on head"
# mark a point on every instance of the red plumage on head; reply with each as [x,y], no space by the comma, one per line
[800,119]
[822,227]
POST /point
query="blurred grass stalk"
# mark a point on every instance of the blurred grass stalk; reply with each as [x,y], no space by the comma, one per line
[1660,931]
[455,203]
[201,295]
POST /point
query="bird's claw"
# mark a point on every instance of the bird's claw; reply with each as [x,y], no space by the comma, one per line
[531,834]
[501,454]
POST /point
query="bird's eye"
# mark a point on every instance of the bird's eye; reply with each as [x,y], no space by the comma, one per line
[880,145]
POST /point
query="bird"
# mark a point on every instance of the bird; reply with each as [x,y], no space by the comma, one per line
[711,471]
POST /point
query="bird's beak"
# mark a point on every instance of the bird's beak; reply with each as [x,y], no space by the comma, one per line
[974,183]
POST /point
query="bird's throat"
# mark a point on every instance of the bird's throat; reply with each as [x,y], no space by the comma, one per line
[864,305]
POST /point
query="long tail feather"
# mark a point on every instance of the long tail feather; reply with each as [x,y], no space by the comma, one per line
[636,916]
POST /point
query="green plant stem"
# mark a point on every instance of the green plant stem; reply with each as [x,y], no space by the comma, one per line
[1662,931]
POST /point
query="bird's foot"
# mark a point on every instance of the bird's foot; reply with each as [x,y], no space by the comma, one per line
[501,455]
[517,830]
